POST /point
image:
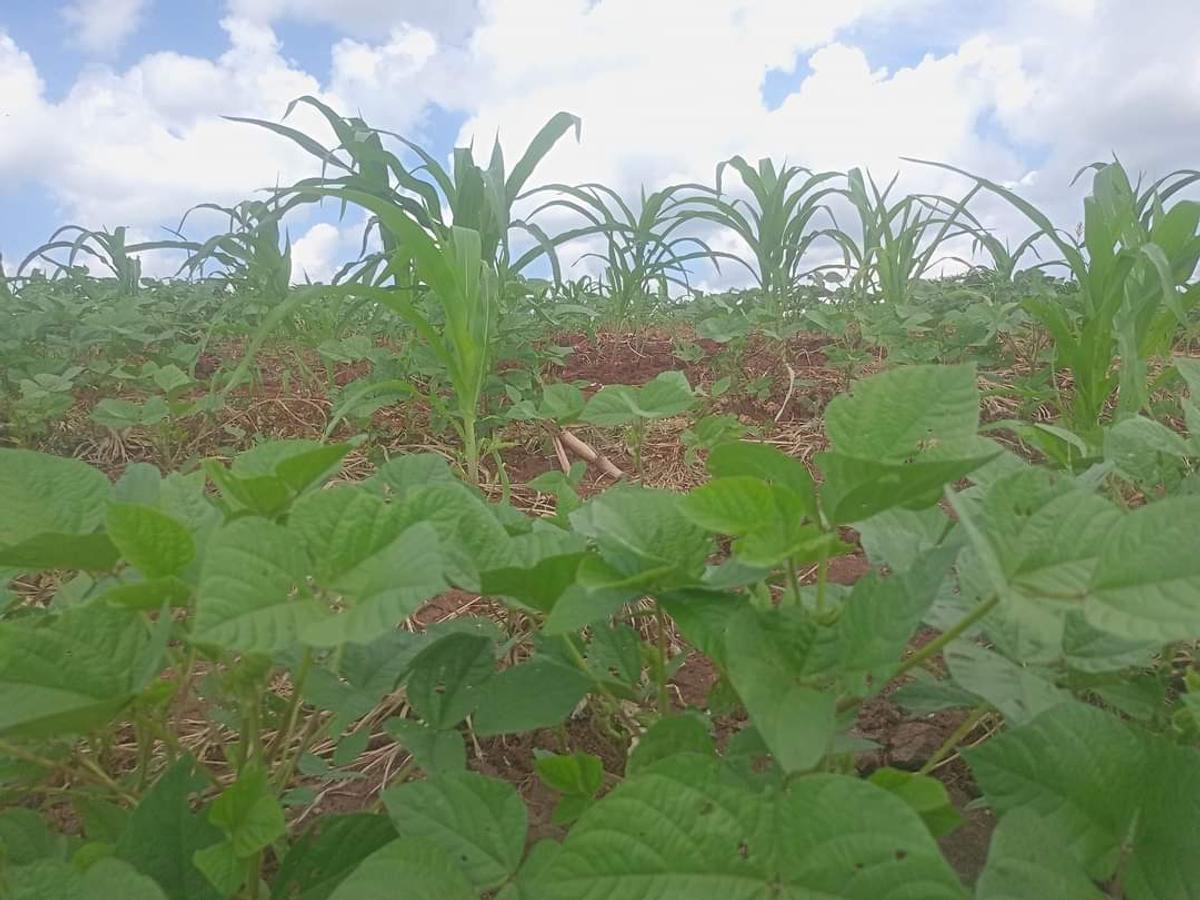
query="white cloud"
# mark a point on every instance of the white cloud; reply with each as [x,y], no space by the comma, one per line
[151,149]
[101,26]
[1108,76]
[318,253]
[390,83]
[845,113]
[142,145]
[366,19]
[22,110]
[666,89]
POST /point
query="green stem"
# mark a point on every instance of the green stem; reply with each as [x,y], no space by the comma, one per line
[288,765]
[251,734]
[145,741]
[105,779]
[400,777]
[663,698]
[185,678]
[170,741]
[253,882]
[292,714]
[581,663]
[471,448]
[935,646]
[822,572]
[15,752]
[965,727]
[793,578]
[636,437]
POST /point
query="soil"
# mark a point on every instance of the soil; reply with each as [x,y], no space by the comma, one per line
[512,758]
[628,358]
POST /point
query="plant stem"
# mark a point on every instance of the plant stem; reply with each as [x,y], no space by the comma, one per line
[793,578]
[471,448]
[965,727]
[581,663]
[636,436]
[15,752]
[822,571]
[253,867]
[288,766]
[104,778]
[400,777]
[185,677]
[251,735]
[935,646]
[284,735]
[663,699]
[145,741]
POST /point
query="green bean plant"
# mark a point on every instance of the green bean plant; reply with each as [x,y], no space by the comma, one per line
[266,602]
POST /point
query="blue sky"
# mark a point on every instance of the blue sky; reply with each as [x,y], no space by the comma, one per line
[112,108]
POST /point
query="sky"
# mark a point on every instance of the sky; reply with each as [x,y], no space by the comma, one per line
[111,111]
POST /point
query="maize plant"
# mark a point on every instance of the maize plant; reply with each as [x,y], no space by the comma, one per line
[249,252]
[894,249]
[777,226]
[464,265]
[1131,271]
[109,249]
[642,250]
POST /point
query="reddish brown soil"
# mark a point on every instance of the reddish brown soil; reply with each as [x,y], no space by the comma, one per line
[627,358]
[512,758]
[847,569]
[694,679]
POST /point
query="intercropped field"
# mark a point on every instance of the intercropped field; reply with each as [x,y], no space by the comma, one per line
[463,576]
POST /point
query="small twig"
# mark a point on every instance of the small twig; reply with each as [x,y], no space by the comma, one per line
[965,727]
[788,395]
[585,450]
[561,453]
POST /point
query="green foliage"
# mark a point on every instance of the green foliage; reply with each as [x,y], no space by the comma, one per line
[479,822]
[893,250]
[643,253]
[578,777]
[727,841]
[667,394]
[1132,272]
[777,225]
[264,595]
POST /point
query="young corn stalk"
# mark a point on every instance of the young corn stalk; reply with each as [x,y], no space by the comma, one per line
[642,250]
[109,249]
[894,250]
[465,288]
[776,226]
[1131,270]
[465,266]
